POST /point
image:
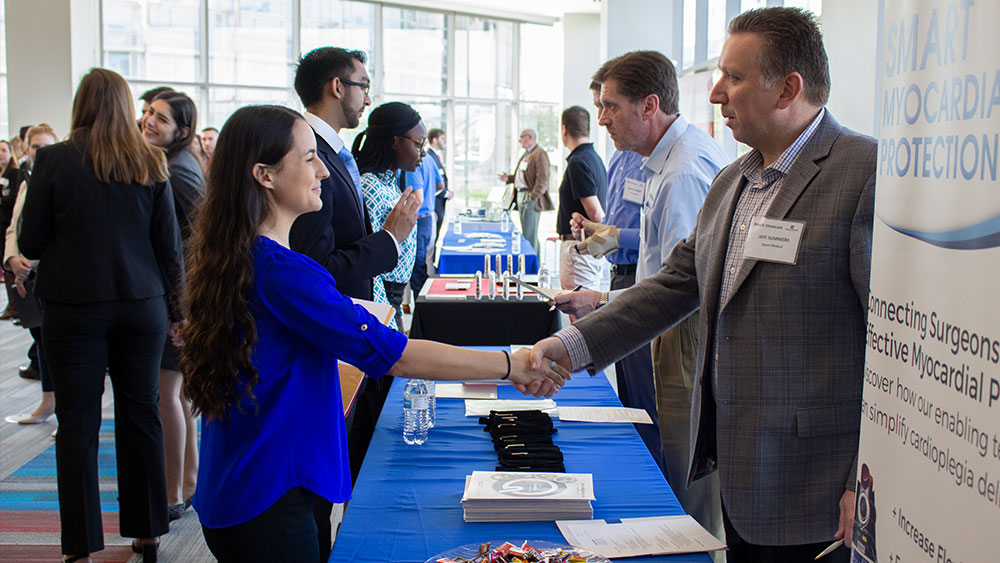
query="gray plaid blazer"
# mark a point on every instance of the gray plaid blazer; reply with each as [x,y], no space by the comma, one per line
[782,424]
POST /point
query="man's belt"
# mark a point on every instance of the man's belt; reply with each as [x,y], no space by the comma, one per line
[567,237]
[623,269]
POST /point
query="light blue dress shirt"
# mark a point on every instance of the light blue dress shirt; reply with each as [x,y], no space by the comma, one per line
[679,172]
[426,178]
[621,213]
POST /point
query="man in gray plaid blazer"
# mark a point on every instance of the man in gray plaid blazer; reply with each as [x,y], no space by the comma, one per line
[777,405]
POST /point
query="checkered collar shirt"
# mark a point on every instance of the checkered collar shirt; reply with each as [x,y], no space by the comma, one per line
[762,185]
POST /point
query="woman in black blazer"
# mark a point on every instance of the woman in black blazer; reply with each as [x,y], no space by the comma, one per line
[100,215]
[171,123]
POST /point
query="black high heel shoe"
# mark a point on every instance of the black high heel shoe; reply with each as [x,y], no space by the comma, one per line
[76,558]
[148,549]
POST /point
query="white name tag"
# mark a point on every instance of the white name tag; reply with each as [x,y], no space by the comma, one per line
[635,191]
[772,240]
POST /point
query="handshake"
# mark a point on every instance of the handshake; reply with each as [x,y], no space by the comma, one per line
[542,370]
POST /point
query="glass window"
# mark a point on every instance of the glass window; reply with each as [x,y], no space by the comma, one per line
[152,40]
[690,33]
[414,47]
[222,102]
[250,42]
[716,27]
[541,51]
[338,23]
[751,4]
[4,125]
[814,6]
[483,143]
[484,65]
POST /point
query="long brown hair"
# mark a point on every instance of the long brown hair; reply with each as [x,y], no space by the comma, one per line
[103,122]
[220,334]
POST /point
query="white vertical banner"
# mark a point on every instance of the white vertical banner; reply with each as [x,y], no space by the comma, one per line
[930,438]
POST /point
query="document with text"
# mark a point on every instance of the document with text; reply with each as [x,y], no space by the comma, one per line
[605,414]
[634,537]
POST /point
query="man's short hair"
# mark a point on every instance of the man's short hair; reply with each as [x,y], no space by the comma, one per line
[149,95]
[598,79]
[434,134]
[641,73]
[209,129]
[576,120]
[319,66]
[792,43]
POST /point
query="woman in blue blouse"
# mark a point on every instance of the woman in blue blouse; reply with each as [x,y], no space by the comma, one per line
[394,141]
[265,329]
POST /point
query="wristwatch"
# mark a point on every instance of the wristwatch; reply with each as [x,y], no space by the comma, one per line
[603,300]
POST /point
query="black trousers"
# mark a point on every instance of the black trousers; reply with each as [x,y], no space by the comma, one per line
[80,342]
[741,551]
[284,532]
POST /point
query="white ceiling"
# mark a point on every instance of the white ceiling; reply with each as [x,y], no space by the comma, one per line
[549,8]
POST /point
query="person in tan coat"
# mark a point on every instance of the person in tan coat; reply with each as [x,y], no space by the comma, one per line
[531,186]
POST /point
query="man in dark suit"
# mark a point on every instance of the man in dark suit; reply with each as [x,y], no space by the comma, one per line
[333,86]
[436,141]
[777,401]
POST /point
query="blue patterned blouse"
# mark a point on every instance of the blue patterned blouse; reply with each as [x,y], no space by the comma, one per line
[381,192]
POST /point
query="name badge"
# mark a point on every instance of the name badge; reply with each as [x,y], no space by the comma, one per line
[772,240]
[524,164]
[635,191]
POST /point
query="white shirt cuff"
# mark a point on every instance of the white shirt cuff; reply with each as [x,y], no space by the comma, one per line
[394,241]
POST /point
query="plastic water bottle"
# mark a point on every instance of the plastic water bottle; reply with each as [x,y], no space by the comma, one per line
[543,277]
[458,225]
[505,221]
[432,406]
[415,412]
[515,243]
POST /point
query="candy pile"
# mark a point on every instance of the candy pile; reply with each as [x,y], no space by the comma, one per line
[510,553]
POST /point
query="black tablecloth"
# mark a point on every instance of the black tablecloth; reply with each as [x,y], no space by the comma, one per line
[483,322]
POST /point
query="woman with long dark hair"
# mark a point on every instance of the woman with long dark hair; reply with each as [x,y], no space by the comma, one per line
[171,123]
[266,327]
[100,217]
[393,142]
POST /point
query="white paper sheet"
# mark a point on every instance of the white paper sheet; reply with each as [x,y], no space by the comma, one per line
[483,407]
[466,391]
[605,414]
[633,537]
[547,293]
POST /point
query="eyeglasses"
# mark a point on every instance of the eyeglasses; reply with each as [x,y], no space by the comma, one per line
[365,86]
[421,143]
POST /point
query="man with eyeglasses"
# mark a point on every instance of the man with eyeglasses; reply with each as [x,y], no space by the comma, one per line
[428,181]
[531,185]
[333,86]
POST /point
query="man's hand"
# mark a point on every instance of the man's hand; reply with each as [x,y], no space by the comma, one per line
[19,265]
[580,223]
[846,527]
[541,381]
[548,351]
[448,194]
[577,303]
[505,177]
[403,217]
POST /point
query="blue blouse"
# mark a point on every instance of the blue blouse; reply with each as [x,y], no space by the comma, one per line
[294,435]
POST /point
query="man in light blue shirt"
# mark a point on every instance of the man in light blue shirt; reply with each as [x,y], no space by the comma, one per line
[427,179]
[639,110]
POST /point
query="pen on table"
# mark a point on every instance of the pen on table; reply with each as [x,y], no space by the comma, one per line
[830,548]
[577,288]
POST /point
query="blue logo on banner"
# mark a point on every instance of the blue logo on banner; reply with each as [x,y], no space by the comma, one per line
[976,237]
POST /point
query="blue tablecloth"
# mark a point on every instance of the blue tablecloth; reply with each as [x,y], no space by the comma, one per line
[458,262]
[406,504]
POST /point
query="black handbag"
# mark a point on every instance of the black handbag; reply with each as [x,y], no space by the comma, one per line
[29,311]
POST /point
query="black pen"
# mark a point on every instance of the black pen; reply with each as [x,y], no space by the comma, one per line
[575,289]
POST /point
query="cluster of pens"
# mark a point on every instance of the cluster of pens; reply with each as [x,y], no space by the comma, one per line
[523,441]
[495,276]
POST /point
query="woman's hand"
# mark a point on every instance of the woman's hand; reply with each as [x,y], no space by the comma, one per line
[541,382]
[174,332]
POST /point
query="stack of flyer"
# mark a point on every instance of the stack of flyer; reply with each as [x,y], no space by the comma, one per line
[500,496]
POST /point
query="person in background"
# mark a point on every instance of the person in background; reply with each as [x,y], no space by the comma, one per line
[19,267]
[436,142]
[171,126]
[639,107]
[100,203]
[9,176]
[583,190]
[265,331]
[531,186]
[147,98]
[208,137]
[389,146]
[428,180]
